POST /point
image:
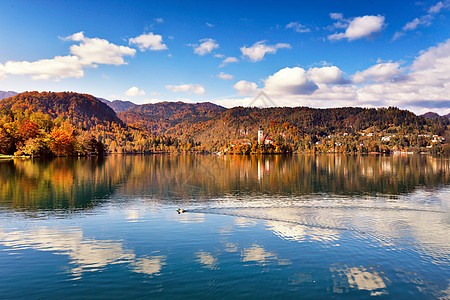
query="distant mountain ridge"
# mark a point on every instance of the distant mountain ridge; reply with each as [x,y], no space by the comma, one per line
[430,115]
[167,117]
[119,105]
[4,94]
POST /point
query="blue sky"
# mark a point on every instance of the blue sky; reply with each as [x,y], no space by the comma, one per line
[300,53]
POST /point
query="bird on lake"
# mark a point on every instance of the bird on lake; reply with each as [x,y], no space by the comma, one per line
[181,211]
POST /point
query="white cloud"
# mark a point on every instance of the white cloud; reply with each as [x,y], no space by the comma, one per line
[289,81]
[297,27]
[219,55]
[159,20]
[434,58]
[259,49]
[381,72]
[209,24]
[148,41]
[225,76]
[397,35]
[89,53]
[79,36]
[421,86]
[245,87]
[424,20]
[93,51]
[56,68]
[206,46]
[134,91]
[329,75]
[229,60]
[360,27]
[436,8]
[336,16]
[187,88]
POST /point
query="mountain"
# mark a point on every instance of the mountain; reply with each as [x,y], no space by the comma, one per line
[8,94]
[178,126]
[296,122]
[81,109]
[447,115]
[430,115]
[171,117]
[119,105]
[213,125]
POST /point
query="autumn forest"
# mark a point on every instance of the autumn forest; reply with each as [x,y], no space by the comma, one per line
[70,124]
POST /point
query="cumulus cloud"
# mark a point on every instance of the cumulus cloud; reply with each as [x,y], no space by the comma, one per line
[134,91]
[187,88]
[205,47]
[434,58]
[148,41]
[93,51]
[297,27]
[259,49]
[421,86]
[360,27]
[331,75]
[89,53]
[290,81]
[225,76]
[229,60]
[246,88]
[381,72]
[56,68]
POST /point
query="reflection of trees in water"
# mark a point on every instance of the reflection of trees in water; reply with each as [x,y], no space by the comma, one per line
[75,183]
[186,177]
[60,183]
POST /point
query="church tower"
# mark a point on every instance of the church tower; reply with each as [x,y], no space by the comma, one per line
[260,135]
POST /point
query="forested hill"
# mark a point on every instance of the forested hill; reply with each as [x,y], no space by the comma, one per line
[178,126]
[210,123]
[81,109]
[168,117]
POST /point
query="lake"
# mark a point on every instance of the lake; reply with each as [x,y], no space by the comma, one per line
[262,227]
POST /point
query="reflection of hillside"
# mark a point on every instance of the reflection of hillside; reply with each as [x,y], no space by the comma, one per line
[75,183]
[193,177]
[57,184]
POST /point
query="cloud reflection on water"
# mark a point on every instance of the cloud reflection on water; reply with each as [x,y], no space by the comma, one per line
[206,259]
[360,278]
[258,254]
[85,254]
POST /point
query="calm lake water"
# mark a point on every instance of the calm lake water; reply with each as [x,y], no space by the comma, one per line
[255,227]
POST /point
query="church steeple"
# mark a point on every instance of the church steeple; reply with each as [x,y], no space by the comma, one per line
[260,134]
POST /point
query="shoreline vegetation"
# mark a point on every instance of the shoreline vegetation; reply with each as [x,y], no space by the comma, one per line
[49,124]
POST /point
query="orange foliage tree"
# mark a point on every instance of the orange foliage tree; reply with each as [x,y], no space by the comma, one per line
[62,140]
